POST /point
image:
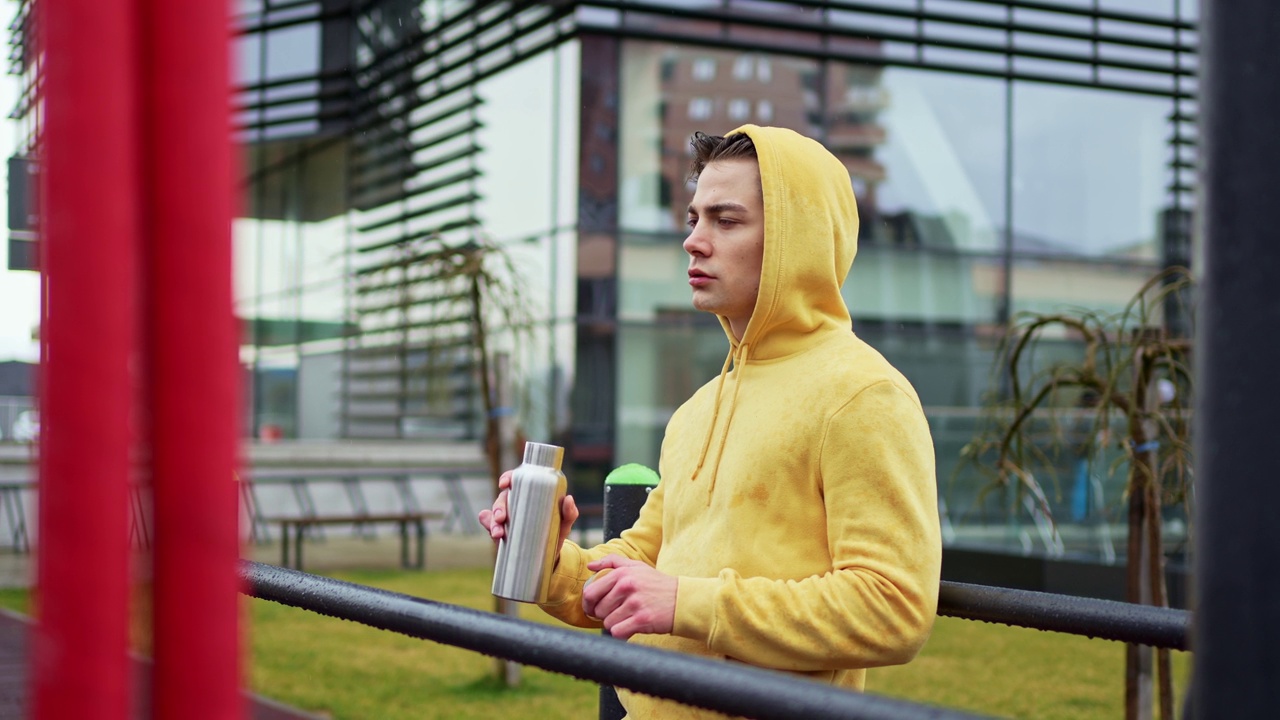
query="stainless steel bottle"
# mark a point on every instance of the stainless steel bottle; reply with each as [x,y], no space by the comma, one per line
[528,551]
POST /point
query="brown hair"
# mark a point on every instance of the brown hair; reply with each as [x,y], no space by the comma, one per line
[710,148]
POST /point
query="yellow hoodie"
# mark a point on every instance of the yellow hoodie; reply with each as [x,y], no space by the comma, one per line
[798,502]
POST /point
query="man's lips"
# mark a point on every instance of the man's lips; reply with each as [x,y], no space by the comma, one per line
[698,278]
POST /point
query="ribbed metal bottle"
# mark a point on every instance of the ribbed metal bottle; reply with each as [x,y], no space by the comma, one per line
[528,552]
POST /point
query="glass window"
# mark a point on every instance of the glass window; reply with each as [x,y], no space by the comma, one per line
[659,366]
[764,70]
[929,150]
[1089,171]
[704,69]
[739,109]
[654,145]
[1158,8]
[526,212]
[742,67]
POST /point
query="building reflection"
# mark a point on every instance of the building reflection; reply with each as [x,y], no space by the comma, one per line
[1005,159]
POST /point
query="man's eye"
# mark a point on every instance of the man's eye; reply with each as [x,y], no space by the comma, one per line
[691,222]
[726,222]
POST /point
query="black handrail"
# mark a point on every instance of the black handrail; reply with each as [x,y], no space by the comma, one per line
[730,688]
[1103,619]
[723,687]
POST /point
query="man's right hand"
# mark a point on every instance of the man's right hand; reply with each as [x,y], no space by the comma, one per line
[495,519]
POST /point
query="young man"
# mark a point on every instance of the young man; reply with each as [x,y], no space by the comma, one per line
[796,525]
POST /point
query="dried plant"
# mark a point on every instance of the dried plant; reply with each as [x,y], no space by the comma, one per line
[452,299]
[1131,390]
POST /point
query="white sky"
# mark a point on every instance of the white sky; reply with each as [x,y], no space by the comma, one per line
[19,291]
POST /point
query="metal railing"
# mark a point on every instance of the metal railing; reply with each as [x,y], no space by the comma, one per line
[729,688]
[1100,619]
[724,687]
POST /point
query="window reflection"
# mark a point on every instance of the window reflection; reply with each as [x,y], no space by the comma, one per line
[944,190]
[782,91]
[704,69]
[942,160]
[1089,171]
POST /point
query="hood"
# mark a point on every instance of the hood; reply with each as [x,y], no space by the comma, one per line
[810,239]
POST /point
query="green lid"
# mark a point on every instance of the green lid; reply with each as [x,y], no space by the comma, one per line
[632,474]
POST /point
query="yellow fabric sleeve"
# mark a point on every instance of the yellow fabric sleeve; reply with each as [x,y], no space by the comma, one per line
[641,542]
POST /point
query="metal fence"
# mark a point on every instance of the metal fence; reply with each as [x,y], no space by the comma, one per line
[730,688]
[723,687]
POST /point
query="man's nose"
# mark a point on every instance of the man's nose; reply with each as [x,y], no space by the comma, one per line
[696,243]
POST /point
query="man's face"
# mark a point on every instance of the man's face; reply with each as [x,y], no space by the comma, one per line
[726,241]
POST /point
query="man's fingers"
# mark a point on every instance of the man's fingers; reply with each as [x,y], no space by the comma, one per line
[622,629]
[500,507]
[598,576]
[496,529]
[495,519]
[634,598]
[609,607]
[498,517]
[595,590]
[613,561]
[568,515]
[622,614]
[610,591]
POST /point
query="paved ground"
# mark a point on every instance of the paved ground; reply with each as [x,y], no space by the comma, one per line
[14,634]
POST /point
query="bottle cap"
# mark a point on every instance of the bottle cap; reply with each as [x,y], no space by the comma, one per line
[543,454]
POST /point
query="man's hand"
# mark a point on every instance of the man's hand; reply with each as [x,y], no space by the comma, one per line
[633,598]
[495,519]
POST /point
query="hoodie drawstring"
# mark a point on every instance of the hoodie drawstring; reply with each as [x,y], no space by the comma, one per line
[739,360]
[715,413]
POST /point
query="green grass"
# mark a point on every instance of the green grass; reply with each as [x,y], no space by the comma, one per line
[17,600]
[1015,672]
[354,672]
[351,672]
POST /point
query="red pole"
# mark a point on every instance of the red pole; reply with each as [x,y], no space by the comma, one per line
[192,357]
[89,231]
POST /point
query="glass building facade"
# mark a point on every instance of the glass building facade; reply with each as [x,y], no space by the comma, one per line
[1007,157]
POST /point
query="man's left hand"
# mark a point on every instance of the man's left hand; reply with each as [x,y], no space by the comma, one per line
[632,598]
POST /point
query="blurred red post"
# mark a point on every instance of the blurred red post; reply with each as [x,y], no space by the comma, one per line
[89,233]
[191,356]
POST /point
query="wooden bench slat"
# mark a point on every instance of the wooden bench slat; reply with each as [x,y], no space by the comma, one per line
[417,520]
[355,519]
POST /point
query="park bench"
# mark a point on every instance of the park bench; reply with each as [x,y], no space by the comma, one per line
[293,533]
[299,514]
